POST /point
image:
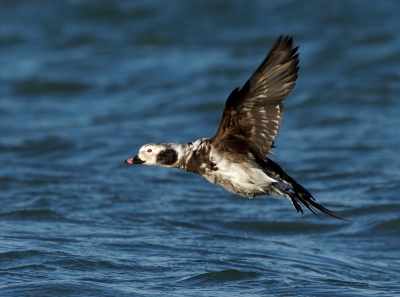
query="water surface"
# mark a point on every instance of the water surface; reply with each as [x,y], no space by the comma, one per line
[85,83]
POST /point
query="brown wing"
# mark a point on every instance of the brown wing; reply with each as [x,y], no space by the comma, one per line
[253,114]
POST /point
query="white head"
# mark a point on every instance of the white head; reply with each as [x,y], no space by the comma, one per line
[157,154]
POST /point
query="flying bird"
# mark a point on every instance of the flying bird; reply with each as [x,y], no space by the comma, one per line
[235,158]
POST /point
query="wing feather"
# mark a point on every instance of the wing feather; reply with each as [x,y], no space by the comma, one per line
[253,114]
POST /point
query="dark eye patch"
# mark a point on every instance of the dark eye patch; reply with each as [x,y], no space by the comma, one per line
[167,157]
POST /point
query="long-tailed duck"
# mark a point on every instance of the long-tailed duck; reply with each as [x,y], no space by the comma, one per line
[235,158]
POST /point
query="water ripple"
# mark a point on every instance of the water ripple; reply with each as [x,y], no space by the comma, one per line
[85,83]
[214,278]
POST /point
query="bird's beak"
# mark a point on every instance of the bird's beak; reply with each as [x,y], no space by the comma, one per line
[134,160]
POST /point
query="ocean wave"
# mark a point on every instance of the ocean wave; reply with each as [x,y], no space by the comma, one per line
[219,277]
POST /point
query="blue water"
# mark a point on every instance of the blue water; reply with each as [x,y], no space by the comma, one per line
[83,84]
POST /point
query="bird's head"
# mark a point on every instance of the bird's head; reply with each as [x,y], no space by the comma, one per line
[157,154]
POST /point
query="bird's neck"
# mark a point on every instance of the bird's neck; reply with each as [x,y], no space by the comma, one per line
[194,154]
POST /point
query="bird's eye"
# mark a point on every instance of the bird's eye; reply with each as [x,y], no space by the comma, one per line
[149,150]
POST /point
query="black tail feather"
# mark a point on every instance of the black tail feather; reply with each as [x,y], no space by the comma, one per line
[297,194]
[308,201]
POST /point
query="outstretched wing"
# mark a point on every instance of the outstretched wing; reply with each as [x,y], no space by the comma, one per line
[253,114]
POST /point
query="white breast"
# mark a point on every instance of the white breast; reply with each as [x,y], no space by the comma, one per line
[247,176]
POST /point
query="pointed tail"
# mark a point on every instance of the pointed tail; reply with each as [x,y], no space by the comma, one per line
[297,194]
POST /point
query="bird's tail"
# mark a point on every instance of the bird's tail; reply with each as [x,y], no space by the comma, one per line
[297,194]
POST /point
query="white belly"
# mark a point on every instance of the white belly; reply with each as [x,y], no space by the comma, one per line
[246,179]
